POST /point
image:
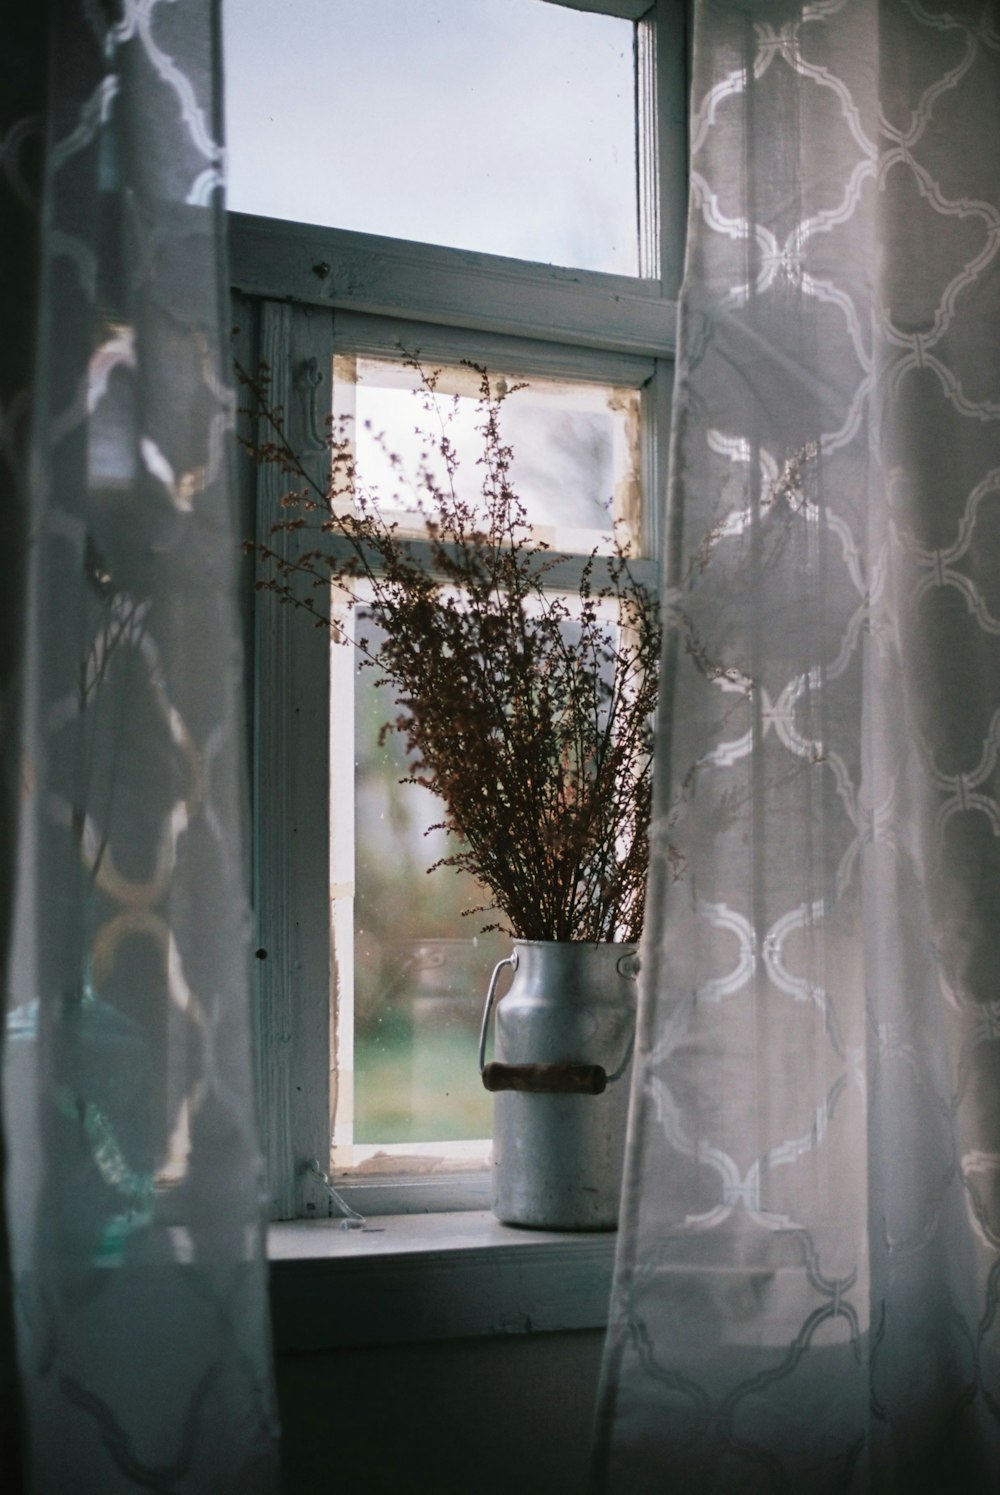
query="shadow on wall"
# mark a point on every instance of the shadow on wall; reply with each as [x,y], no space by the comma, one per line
[494,1416]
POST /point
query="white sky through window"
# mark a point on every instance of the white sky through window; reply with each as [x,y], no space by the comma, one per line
[499,125]
[575,446]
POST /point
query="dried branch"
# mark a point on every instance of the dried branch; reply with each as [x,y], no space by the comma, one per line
[529,719]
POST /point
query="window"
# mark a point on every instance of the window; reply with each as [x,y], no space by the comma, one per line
[412,990]
[502,125]
[356,1005]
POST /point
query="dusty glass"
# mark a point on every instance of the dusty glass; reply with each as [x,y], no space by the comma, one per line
[575,446]
[499,125]
[420,967]
[412,963]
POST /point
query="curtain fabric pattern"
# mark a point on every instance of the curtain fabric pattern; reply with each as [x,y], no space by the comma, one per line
[807,1294]
[134,1188]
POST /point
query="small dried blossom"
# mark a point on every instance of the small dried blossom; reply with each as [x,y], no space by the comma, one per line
[529,719]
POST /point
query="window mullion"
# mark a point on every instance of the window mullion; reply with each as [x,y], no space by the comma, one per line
[292,794]
[449,287]
[662,54]
[647,148]
[656,403]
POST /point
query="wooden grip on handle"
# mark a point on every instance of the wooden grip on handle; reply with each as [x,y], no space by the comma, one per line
[546,1079]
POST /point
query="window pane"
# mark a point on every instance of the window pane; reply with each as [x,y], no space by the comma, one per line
[499,125]
[420,967]
[576,446]
[421,962]
[416,979]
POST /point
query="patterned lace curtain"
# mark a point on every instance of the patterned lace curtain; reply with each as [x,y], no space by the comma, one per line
[133,1175]
[808,1290]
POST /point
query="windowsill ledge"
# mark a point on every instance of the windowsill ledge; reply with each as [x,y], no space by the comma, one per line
[409,1278]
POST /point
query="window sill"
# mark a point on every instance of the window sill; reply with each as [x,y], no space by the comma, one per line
[413,1278]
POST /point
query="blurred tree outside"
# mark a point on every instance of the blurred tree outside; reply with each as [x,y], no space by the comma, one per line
[421,969]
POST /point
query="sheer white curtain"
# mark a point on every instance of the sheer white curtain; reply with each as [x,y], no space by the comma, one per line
[808,1289]
[133,1188]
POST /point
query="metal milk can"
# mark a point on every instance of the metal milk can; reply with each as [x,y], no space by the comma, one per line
[560,1077]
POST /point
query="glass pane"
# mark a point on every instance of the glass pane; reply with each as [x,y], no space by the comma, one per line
[499,125]
[575,445]
[420,968]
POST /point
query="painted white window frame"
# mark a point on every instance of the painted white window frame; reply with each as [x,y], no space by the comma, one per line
[299,289]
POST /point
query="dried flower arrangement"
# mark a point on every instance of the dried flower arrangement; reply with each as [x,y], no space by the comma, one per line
[530,718]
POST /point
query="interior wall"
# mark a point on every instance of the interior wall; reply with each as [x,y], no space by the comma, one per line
[501,1416]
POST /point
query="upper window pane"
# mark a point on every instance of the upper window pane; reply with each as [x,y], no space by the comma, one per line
[575,447]
[499,125]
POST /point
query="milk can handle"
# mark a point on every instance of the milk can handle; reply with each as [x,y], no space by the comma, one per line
[549,1079]
[491,993]
[627,965]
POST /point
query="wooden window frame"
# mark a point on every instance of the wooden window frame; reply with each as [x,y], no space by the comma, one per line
[298,290]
